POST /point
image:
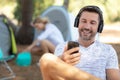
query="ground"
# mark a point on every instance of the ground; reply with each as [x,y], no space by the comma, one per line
[110,35]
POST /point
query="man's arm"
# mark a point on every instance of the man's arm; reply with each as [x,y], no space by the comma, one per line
[113,74]
[53,67]
[112,68]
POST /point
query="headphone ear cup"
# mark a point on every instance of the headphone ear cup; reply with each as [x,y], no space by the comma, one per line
[76,23]
[100,28]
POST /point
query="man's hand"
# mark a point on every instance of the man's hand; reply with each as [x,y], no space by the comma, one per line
[69,57]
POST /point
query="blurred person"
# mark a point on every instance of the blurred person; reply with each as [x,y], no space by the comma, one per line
[49,37]
[94,61]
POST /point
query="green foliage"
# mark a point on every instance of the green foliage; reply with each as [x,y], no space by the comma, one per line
[8,2]
[17,12]
[117,18]
[39,7]
[110,8]
[75,5]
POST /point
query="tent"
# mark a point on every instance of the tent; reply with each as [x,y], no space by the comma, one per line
[59,16]
[7,38]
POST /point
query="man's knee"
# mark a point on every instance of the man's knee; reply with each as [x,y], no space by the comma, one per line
[46,59]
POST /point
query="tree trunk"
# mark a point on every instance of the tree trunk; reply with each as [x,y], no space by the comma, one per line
[26,32]
[66,4]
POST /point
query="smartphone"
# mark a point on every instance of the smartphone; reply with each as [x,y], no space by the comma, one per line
[73,44]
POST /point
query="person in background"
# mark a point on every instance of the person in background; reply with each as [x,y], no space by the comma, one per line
[48,38]
[94,61]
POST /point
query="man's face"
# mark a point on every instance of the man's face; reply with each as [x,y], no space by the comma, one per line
[88,25]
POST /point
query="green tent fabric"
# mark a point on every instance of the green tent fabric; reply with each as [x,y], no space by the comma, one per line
[12,36]
[13,42]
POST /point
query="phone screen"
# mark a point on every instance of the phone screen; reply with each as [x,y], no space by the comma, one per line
[73,44]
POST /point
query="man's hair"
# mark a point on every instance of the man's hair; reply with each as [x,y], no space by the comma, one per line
[91,9]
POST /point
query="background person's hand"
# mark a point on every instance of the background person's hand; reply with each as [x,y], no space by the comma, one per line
[27,49]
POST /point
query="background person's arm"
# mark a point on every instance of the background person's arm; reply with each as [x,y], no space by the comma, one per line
[29,48]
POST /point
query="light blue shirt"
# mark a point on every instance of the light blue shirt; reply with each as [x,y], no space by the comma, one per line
[51,33]
[95,59]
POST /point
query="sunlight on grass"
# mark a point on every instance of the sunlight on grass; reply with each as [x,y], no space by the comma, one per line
[110,39]
[111,33]
[8,10]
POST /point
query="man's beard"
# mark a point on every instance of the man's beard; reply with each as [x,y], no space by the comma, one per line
[86,34]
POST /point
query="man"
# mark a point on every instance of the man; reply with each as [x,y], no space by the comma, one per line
[94,61]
